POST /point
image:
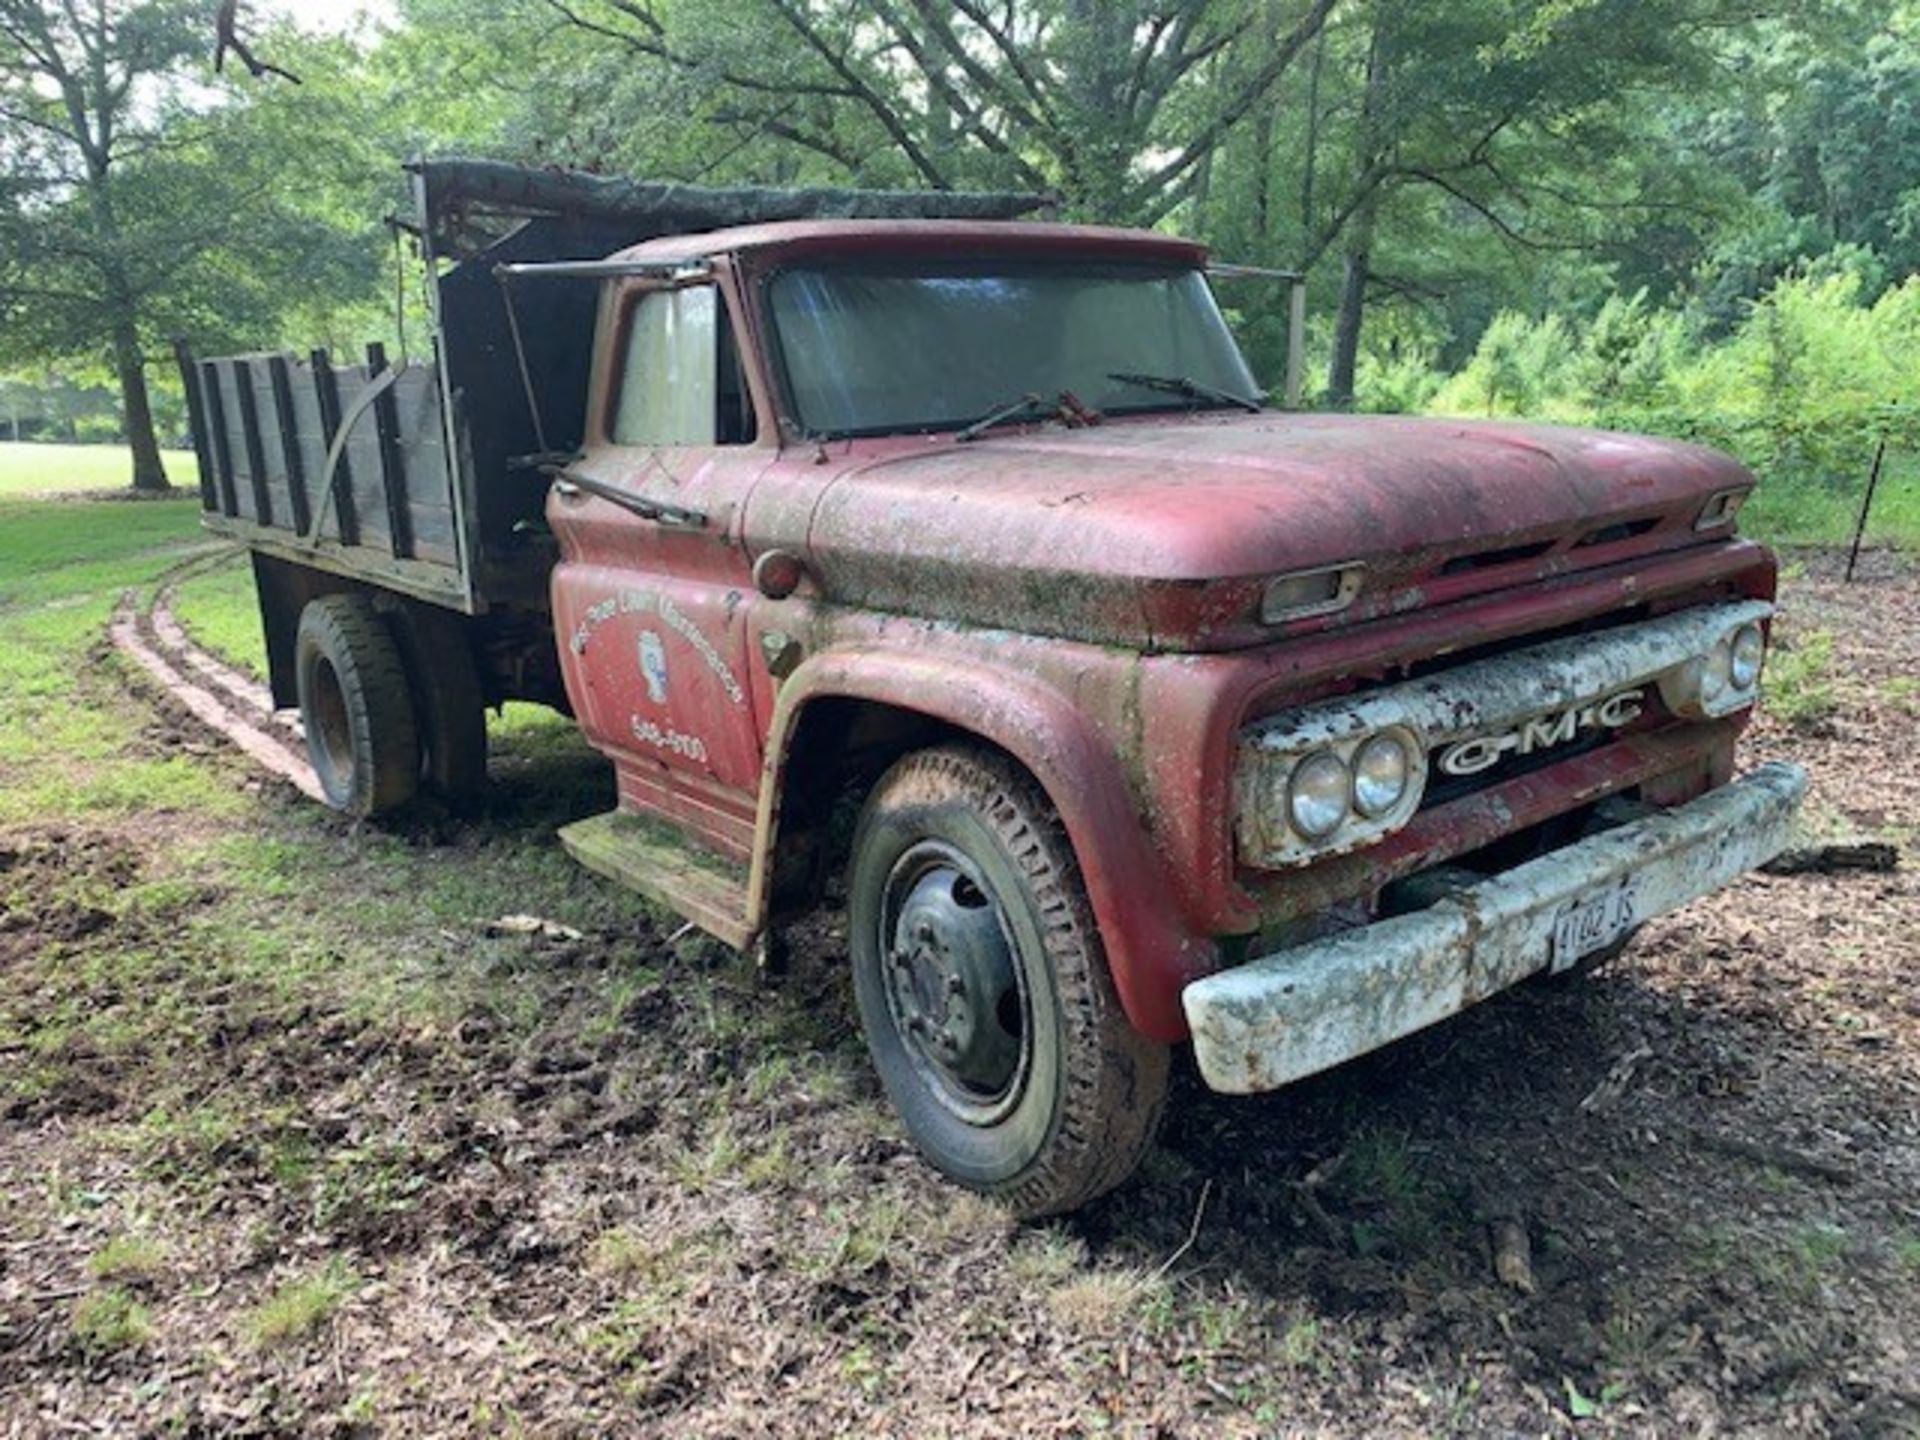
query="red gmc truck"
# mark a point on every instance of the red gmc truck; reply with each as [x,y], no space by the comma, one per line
[1170,718]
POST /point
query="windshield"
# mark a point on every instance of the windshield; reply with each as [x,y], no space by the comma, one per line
[871,348]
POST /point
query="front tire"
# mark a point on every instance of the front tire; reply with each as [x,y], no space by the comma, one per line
[355,706]
[983,990]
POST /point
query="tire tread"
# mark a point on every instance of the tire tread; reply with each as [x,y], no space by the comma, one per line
[347,629]
[1115,1078]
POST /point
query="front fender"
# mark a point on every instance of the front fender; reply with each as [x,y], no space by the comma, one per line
[1150,954]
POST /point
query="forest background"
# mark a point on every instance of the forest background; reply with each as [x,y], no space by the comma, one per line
[1693,217]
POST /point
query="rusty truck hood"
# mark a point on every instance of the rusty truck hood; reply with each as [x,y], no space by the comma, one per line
[1161,533]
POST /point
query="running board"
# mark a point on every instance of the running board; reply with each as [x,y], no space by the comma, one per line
[645,856]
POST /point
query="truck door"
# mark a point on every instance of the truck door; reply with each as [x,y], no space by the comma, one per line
[649,608]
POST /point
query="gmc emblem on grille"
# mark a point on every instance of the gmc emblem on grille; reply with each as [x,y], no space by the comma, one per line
[1483,752]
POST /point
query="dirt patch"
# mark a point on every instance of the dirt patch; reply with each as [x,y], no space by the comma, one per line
[618,1185]
[43,875]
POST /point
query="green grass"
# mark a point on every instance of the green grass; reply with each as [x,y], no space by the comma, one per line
[132,1258]
[67,735]
[300,1307]
[30,468]
[57,551]
[1798,683]
[219,609]
[111,1320]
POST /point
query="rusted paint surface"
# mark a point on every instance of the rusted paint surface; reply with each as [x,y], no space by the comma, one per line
[1290,1015]
[1089,600]
[1168,529]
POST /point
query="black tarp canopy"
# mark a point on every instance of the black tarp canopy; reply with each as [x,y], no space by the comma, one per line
[472,215]
[469,205]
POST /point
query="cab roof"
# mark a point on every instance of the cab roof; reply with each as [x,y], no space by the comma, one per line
[788,238]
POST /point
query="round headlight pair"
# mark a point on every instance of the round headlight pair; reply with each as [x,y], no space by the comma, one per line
[1323,790]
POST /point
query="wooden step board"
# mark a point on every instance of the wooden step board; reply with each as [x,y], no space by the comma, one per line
[646,856]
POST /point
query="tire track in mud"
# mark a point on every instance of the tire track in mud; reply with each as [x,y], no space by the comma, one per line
[233,705]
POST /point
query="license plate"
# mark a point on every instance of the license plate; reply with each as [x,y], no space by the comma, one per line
[1592,922]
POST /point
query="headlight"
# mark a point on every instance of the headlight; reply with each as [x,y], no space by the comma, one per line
[1381,770]
[1744,654]
[1724,676]
[1317,795]
[1331,795]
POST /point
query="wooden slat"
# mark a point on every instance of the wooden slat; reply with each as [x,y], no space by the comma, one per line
[326,388]
[197,422]
[217,432]
[393,463]
[281,379]
[250,438]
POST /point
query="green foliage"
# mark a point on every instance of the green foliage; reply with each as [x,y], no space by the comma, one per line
[1519,365]
[1401,385]
[1629,356]
[1803,390]
[1798,682]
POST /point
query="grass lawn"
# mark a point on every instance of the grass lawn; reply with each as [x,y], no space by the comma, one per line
[219,609]
[30,468]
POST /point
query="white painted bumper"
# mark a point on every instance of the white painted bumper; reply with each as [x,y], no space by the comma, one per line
[1288,1015]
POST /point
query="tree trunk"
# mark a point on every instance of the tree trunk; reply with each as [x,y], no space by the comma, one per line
[1353,301]
[149,471]
[1359,246]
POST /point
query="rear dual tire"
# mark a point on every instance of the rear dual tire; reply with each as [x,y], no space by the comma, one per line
[387,709]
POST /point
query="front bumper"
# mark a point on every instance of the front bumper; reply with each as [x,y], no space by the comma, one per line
[1288,1015]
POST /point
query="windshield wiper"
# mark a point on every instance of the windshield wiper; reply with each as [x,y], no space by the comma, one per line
[1027,404]
[1183,385]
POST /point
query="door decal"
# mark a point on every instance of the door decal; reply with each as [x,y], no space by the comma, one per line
[653,666]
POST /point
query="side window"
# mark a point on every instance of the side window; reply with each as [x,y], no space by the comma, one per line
[681,378]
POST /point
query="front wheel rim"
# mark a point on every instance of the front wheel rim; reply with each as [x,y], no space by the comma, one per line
[955,990]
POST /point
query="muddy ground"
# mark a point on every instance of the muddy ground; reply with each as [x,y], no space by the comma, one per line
[291,1144]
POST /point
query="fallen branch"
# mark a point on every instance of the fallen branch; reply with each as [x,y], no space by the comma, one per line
[1193,1231]
[1872,857]
[1796,1162]
[1512,1254]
